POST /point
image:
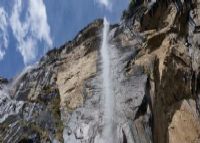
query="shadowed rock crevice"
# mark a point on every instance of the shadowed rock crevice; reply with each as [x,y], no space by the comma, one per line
[124,137]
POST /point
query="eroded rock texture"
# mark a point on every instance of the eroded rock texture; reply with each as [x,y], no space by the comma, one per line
[155,61]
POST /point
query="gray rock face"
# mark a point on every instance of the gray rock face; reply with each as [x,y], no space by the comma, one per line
[194,43]
[21,120]
[29,108]
[3,82]
[154,56]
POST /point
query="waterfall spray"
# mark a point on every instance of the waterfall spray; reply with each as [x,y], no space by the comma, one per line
[107,87]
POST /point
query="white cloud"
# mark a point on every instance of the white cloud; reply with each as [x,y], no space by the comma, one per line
[32,30]
[106,3]
[3,33]
[38,19]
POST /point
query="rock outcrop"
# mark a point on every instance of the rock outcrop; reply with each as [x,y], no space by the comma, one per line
[155,62]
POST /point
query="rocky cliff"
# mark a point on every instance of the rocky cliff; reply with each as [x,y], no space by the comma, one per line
[154,56]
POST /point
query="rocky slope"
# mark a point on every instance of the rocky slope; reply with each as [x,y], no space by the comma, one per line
[155,74]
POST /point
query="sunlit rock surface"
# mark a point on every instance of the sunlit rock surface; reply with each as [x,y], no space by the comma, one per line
[154,62]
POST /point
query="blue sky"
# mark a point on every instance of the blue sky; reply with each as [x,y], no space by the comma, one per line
[29,28]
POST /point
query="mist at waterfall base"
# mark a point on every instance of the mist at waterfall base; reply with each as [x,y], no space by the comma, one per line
[108,99]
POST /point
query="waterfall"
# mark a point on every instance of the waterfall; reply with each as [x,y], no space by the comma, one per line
[107,87]
[19,77]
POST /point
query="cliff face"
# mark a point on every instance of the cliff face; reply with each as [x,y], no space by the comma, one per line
[154,56]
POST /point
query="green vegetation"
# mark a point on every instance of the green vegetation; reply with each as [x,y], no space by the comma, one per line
[129,12]
[133,3]
[47,89]
[54,107]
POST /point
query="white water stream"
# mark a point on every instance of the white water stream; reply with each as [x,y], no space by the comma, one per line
[107,133]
